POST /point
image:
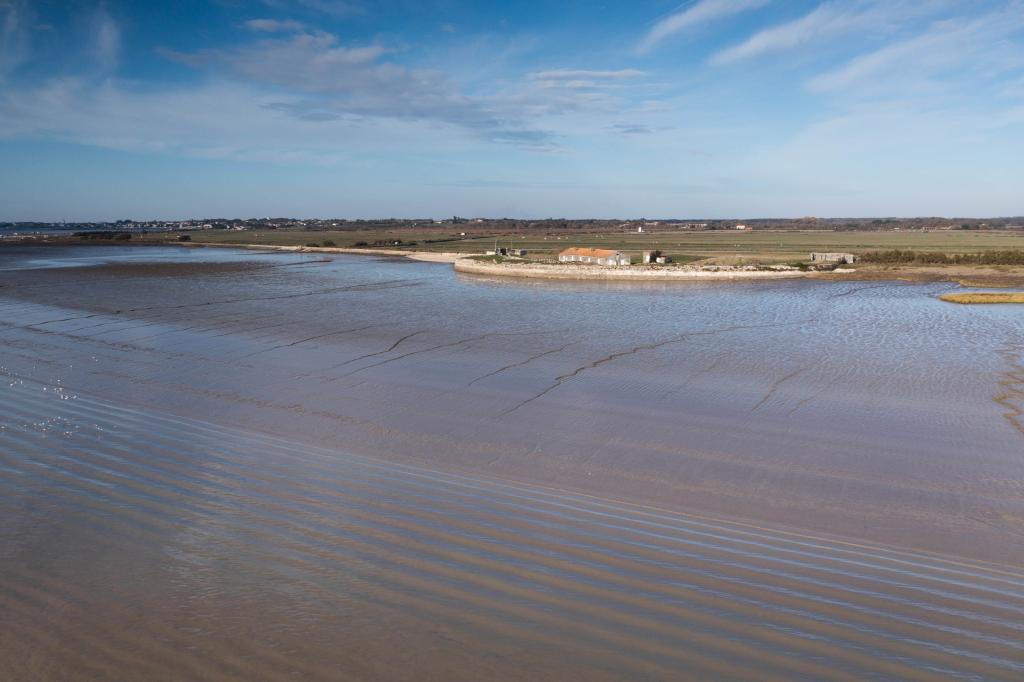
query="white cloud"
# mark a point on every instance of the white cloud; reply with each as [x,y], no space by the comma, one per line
[218,120]
[702,12]
[630,129]
[309,61]
[328,80]
[582,79]
[294,93]
[274,25]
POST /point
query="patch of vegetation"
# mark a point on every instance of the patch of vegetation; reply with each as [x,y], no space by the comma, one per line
[313,245]
[184,238]
[392,244]
[906,257]
[443,240]
[329,244]
[981,298]
[119,236]
[684,258]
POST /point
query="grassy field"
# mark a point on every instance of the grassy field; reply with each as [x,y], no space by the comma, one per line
[721,245]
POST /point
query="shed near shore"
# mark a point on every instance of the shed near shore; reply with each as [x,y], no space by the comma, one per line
[595,256]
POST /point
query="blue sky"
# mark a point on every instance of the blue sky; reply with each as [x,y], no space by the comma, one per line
[352,108]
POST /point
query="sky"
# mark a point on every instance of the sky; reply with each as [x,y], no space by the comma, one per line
[113,109]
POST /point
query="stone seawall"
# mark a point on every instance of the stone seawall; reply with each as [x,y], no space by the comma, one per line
[633,273]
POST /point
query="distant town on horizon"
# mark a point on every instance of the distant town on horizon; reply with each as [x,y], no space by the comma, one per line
[506,223]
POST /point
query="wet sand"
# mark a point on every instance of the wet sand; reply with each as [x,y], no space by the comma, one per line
[280,465]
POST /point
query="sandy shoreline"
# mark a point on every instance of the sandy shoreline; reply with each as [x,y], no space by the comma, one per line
[431,257]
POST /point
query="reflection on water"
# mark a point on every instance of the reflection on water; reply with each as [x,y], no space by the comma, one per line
[247,466]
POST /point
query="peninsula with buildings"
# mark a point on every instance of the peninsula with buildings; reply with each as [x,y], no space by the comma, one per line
[590,263]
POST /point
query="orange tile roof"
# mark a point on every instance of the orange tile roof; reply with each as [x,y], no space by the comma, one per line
[593,253]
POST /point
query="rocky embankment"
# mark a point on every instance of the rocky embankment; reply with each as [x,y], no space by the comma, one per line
[632,272]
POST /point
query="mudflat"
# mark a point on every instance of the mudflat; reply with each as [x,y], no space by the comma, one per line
[220,464]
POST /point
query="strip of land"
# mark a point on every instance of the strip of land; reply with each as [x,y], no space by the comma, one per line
[982,298]
[976,258]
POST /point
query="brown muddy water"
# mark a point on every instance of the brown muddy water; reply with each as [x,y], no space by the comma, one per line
[228,465]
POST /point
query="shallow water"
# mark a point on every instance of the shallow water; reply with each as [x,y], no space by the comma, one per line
[220,464]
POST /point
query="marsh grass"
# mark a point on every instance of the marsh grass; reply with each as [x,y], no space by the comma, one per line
[984,297]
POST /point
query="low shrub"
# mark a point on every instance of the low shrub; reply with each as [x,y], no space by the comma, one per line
[899,257]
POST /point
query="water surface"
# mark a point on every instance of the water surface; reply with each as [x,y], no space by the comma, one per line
[222,464]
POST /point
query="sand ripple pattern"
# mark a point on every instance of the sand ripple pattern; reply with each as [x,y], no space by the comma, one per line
[143,546]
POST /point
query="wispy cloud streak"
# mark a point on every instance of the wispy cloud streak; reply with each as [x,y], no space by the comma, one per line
[702,12]
[107,42]
[947,48]
[274,25]
[830,20]
[572,74]
[14,35]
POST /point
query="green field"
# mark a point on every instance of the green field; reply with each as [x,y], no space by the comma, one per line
[722,245]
